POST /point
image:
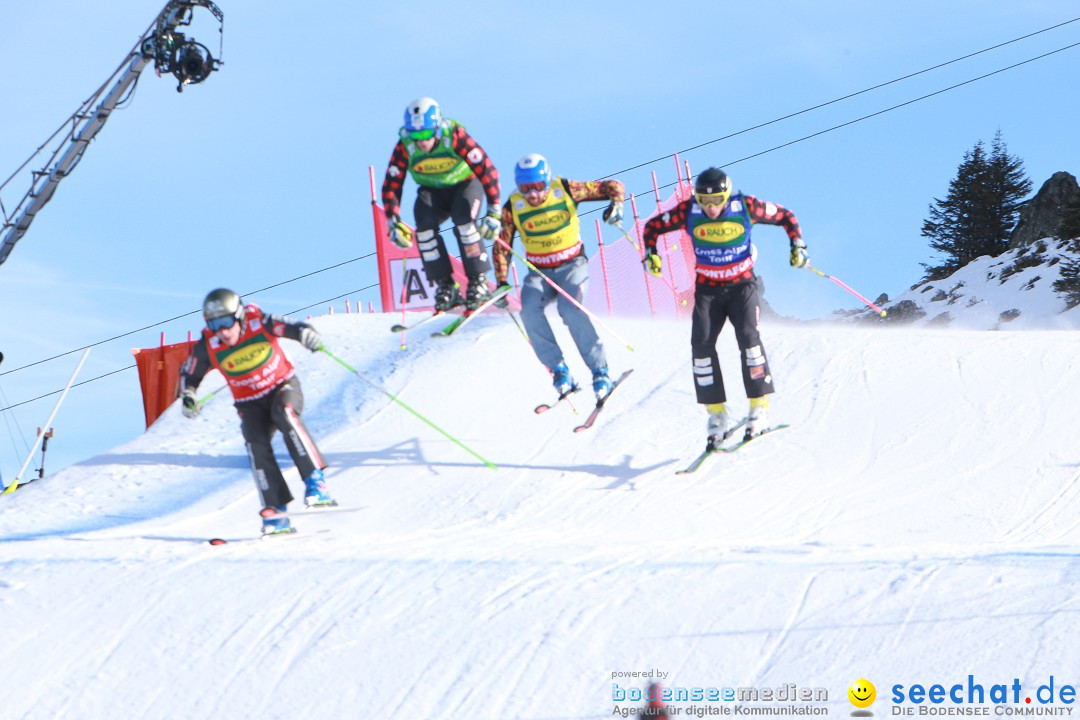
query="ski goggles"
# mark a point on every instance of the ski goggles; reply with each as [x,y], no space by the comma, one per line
[539,186]
[221,323]
[426,134]
[704,200]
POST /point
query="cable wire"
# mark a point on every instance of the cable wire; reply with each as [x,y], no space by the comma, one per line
[75,385]
[644,164]
[850,95]
[178,317]
[859,119]
[131,367]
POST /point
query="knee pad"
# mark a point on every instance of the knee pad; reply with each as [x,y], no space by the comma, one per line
[755,363]
[703,373]
[755,356]
[468,234]
[470,241]
[428,242]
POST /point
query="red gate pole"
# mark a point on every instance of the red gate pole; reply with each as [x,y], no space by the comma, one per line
[641,251]
[667,248]
[603,267]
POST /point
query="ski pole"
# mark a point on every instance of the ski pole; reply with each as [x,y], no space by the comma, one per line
[207,398]
[526,336]
[15,483]
[869,304]
[562,292]
[404,287]
[519,326]
[402,404]
[662,278]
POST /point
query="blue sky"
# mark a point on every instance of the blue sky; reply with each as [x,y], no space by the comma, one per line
[260,174]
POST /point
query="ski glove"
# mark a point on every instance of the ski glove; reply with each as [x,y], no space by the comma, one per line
[653,264]
[400,233]
[799,256]
[613,213]
[310,338]
[491,224]
[191,407]
[504,301]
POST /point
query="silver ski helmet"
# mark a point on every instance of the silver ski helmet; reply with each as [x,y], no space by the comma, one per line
[423,119]
[222,308]
[712,187]
[530,170]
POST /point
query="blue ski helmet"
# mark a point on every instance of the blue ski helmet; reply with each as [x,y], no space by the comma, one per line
[423,119]
[533,168]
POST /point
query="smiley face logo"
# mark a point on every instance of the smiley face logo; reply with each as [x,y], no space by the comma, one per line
[862,693]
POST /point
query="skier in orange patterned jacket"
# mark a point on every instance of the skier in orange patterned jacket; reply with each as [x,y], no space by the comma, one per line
[543,210]
[719,224]
[241,342]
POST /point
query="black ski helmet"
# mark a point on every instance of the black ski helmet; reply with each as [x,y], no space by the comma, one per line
[222,303]
[713,181]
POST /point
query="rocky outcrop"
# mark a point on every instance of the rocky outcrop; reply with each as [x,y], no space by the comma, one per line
[1041,216]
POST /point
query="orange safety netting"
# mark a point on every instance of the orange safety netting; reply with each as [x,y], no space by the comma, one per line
[159,376]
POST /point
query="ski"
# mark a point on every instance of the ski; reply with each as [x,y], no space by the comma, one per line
[306,512]
[600,404]
[449,329]
[324,509]
[544,407]
[294,535]
[463,320]
[746,441]
[309,511]
[412,326]
[710,449]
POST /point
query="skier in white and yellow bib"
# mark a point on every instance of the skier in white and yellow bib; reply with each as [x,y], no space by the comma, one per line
[543,210]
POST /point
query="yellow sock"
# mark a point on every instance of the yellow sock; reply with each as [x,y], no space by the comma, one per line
[760,402]
[715,409]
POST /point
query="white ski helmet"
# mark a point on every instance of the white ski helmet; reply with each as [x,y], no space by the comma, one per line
[423,117]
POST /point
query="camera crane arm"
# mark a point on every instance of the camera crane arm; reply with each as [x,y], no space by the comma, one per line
[171,52]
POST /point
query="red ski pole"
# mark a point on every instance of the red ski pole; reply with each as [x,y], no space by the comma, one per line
[869,304]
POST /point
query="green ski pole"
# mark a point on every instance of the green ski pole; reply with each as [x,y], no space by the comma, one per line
[207,398]
[393,397]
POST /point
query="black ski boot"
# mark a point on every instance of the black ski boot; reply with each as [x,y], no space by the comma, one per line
[478,291]
[447,296]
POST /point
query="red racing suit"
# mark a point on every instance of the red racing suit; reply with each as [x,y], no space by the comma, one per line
[254,366]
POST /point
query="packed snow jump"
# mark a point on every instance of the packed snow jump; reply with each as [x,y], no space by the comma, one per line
[455,176]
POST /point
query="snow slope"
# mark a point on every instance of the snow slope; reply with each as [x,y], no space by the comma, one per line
[917,523]
[1014,290]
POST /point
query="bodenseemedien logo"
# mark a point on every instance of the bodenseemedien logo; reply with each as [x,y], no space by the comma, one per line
[787,699]
[862,694]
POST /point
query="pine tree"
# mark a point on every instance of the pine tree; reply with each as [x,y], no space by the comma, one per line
[1070,223]
[1068,286]
[980,209]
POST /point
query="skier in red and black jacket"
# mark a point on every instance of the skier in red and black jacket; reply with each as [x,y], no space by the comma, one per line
[454,174]
[719,224]
[241,342]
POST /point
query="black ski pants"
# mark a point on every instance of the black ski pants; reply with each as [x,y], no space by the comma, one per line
[461,205]
[713,306]
[259,419]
